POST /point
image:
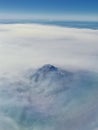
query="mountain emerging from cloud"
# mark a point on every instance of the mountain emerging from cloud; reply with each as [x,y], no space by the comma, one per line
[50,98]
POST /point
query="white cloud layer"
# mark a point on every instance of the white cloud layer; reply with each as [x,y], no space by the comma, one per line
[30,45]
[48,100]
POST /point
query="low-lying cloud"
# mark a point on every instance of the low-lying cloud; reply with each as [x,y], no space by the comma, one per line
[55,100]
[49,99]
[31,45]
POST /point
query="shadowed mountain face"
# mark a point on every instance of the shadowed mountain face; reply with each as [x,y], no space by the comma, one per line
[55,79]
[50,98]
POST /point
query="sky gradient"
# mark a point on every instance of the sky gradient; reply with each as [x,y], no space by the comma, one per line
[51,8]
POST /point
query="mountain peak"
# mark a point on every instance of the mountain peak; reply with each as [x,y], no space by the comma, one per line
[45,71]
[48,68]
[49,72]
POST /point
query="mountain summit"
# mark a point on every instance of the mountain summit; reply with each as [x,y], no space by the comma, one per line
[48,68]
[50,72]
[51,79]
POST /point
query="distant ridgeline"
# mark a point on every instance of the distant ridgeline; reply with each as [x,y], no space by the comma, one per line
[71,24]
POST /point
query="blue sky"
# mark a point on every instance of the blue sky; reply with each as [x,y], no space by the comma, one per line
[86,8]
